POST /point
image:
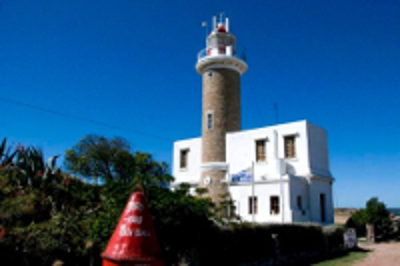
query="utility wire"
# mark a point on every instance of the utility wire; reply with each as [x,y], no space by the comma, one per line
[81,118]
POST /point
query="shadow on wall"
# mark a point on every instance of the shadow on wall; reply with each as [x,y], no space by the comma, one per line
[290,169]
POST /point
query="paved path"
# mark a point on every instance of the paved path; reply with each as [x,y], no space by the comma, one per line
[384,254]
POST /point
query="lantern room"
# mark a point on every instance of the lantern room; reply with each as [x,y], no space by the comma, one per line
[221,41]
[220,51]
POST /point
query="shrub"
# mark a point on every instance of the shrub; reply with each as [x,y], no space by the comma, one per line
[334,236]
[375,213]
[245,242]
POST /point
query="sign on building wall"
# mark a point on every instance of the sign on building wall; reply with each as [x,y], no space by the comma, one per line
[242,176]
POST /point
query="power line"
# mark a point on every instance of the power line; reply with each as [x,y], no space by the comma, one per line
[81,118]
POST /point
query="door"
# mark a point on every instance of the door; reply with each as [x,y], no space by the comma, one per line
[322,207]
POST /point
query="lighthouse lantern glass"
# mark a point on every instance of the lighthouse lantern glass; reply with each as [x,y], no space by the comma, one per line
[220,41]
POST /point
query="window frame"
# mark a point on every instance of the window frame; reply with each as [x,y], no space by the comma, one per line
[250,201]
[274,209]
[263,158]
[210,120]
[184,153]
[286,153]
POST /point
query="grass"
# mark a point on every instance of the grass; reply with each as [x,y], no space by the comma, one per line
[349,259]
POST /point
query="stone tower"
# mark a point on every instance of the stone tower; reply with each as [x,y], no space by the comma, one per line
[221,69]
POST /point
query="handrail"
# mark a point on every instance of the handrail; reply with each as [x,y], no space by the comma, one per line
[237,54]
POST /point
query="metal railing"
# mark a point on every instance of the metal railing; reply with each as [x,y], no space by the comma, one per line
[234,53]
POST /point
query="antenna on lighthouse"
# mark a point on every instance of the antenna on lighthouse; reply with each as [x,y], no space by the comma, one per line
[205,26]
[214,22]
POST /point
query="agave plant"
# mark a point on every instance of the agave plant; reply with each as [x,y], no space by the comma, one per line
[6,156]
[32,170]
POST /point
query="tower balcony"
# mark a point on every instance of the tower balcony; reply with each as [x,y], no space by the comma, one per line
[221,58]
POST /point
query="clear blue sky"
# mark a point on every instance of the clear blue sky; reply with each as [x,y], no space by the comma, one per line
[131,64]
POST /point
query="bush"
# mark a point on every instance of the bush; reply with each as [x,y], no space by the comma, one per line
[356,222]
[243,243]
[334,236]
[375,213]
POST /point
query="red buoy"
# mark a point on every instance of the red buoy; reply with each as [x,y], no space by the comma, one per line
[134,241]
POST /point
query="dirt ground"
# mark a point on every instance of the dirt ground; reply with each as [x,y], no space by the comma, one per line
[382,254]
[342,214]
[341,218]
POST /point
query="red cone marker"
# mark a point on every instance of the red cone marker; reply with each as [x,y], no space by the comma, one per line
[134,241]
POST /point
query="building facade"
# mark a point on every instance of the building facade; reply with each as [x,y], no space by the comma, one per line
[277,173]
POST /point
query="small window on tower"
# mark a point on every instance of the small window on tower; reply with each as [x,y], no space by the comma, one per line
[210,74]
[184,158]
[209,121]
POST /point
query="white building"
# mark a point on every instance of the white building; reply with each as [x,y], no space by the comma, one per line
[289,162]
[292,180]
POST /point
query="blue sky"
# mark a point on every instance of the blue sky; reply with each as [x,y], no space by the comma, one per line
[131,64]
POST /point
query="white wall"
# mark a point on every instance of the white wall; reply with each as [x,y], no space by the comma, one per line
[311,162]
[241,150]
[317,187]
[318,150]
[311,152]
[192,173]
[263,192]
[299,187]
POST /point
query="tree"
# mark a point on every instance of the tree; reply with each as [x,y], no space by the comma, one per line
[373,217]
[63,217]
[96,157]
[111,161]
[376,212]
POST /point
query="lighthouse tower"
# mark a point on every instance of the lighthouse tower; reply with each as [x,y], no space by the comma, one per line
[221,69]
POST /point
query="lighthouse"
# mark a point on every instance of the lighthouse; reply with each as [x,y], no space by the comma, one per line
[275,173]
[220,68]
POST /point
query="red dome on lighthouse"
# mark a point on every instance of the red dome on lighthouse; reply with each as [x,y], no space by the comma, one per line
[221,27]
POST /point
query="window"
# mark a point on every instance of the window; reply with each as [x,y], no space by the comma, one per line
[184,158]
[253,204]
[209,121]
[274,205]
[290,146]
[210,74]
[260,150]
[299,203]
[322,206]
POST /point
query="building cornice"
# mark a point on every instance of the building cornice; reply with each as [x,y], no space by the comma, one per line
[221,61]
[217,166]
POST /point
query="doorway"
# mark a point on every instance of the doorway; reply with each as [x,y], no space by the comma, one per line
[322,206]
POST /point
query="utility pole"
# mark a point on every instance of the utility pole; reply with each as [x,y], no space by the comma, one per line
[252,192]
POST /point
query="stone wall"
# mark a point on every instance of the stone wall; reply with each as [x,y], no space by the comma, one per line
[221,97]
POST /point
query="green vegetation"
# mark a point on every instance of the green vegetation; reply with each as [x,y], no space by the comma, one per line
[349,259]
[374,214]
[47,214]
